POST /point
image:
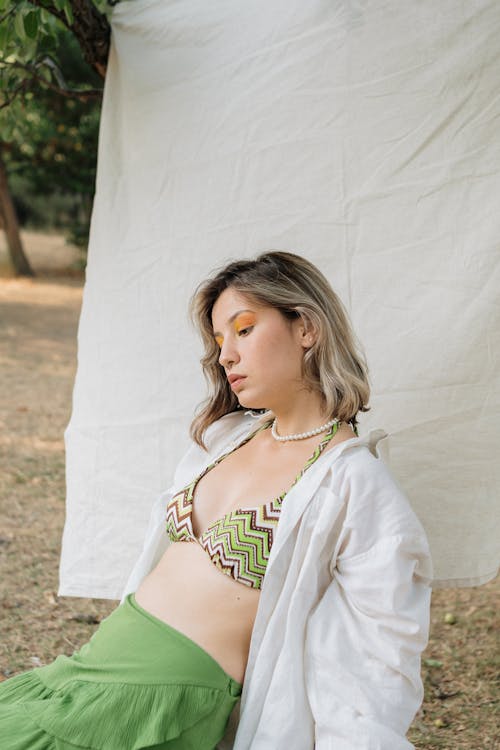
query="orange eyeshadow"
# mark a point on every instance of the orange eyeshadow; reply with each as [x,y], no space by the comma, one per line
[243,321]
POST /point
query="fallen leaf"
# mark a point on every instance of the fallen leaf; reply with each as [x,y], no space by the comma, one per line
[440,723]
[50,597]
[433,663]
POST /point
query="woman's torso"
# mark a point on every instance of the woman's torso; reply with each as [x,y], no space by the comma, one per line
[186,589]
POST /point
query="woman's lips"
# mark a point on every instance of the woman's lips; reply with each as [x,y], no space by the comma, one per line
[237,381]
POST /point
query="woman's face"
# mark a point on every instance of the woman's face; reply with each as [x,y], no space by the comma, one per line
[262,347]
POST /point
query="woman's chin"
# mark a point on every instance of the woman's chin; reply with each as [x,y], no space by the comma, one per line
[249,403]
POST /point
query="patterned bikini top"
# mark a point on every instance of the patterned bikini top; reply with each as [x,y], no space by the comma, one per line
[240,542]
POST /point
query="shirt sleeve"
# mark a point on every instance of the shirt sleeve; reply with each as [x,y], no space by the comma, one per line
[363,644]
[155,540]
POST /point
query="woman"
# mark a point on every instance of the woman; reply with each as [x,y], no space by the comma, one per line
[293,573]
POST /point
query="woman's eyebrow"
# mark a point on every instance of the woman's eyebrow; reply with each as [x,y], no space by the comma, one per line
[230,320]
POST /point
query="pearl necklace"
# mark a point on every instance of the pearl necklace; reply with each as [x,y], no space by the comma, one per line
[302,435]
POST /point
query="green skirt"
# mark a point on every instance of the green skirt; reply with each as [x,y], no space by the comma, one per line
[138,683]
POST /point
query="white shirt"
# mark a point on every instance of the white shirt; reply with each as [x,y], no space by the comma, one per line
[343,615]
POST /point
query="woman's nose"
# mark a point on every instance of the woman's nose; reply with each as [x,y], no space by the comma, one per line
[228,354]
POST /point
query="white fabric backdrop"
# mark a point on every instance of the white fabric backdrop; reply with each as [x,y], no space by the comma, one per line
[363,135]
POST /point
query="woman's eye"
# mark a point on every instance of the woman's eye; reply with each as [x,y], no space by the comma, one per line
[244,331]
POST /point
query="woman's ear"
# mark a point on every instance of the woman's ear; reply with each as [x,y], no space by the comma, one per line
[306,332]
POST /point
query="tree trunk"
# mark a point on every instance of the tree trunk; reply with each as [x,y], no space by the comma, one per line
[92,30]
[90,27]
[11,227]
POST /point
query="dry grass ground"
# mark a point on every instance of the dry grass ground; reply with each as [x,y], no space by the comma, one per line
[38,324]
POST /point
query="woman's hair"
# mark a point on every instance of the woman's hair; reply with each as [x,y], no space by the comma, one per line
[334,366]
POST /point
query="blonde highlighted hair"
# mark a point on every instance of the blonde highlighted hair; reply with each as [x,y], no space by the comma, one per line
[334,367]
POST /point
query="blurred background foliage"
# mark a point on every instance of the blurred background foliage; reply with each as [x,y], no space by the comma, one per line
[52,64]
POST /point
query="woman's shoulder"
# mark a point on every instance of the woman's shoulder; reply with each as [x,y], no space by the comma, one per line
[220,436]
[228,429]
[360,454]
[373,497]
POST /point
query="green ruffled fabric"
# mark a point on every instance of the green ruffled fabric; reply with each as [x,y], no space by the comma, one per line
[17,732]
[110,716]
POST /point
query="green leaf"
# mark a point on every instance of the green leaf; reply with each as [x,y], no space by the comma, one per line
[4,38]
[103,6]
[29,49]
[47,43]
[31,24]
[69,14]
[433,663]
[19,25]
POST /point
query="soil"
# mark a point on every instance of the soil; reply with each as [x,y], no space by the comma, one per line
[38,327]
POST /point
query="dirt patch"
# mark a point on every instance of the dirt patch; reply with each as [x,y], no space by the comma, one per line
[47,253]
[38,326]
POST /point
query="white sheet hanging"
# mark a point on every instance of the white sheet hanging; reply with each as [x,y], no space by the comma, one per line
[359,134]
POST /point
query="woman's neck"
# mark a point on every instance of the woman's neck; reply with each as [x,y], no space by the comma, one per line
[303,414]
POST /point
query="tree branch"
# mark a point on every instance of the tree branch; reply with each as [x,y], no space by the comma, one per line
[5,16]
[60,87]
[90,27]
[8,100]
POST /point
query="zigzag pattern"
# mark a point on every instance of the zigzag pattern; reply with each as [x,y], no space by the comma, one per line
[240,542]
[179,509]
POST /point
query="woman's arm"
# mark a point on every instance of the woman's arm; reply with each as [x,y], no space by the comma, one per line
[364,641]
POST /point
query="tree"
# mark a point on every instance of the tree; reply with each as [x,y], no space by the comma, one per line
[28,35]
[11,226]
[53,57]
